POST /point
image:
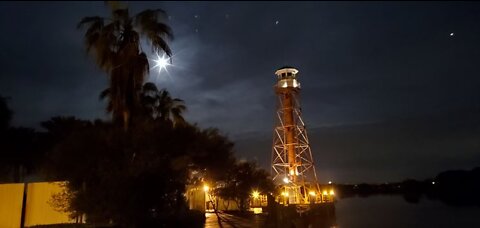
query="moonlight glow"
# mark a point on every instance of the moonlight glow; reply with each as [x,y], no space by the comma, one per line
[161,62]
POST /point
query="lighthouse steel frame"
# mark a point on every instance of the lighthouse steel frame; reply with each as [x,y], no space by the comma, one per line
[293,168]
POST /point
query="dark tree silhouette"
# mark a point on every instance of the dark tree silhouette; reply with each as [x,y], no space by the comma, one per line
[5,114]
[20,149]
[242,180]
[106,184]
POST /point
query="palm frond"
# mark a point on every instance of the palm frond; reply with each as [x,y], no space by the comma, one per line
[150,87]
[105,93]
[89,20]
[148,23]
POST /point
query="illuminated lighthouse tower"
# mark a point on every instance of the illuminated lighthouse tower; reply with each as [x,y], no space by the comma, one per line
[292,162]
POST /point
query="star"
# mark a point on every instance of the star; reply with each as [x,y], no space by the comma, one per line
[276,22]
[195,16]
[452,34]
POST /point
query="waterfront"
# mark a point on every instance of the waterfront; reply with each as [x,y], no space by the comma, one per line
[381,211]
[394,211]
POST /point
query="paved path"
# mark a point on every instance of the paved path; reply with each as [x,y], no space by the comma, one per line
[224,220]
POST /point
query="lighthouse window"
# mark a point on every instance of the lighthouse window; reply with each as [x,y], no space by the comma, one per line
[289,74]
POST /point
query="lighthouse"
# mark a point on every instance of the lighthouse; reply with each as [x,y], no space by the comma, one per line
[293,169]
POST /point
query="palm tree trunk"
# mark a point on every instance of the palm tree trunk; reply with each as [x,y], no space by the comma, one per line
[126,122]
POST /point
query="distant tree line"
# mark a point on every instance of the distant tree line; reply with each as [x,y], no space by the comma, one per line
[453,187]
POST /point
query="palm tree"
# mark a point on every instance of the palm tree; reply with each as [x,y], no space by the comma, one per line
[159,105]
[115,44]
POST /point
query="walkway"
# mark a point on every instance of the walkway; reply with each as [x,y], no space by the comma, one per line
[232,221]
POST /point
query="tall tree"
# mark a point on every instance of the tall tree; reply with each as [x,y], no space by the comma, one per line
[115,44]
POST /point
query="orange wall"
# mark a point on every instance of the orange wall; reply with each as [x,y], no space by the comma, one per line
[39,211]
[11,197]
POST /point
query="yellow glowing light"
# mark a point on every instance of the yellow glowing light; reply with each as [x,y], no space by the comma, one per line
[332,193]
[255,194]
[330,182]
[325,192]
[206,188]
[286,180]
[291,172]
[295,83]
[285,194]
[312,193]
[257,210]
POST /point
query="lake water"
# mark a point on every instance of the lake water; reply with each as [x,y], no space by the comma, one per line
[379,212]
[394,211]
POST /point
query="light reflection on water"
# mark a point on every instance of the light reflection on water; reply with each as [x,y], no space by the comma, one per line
[380,211]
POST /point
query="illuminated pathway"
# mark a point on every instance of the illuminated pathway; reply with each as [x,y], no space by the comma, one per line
[232,221]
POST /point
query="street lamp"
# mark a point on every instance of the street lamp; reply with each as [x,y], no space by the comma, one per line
[255,194]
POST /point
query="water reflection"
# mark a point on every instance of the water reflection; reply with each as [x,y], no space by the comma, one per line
[394,211]
[357,212]
[322,216]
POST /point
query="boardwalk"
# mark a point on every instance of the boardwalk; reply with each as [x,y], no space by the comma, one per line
[224,220]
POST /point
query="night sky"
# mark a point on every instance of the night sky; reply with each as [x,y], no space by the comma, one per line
[389,90]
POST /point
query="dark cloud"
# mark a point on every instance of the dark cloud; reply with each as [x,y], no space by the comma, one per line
[393,150]
[377,62]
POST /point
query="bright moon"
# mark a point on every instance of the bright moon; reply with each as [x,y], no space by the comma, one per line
[161,62]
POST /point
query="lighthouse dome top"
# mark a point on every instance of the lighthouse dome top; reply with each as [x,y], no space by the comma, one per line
[286,70]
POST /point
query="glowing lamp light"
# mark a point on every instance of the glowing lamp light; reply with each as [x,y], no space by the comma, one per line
[312,193]
[330,182]
[433,182]
[332,192]
[255,194]
[286,180]
[206,188]
[325,192]
[285,194]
